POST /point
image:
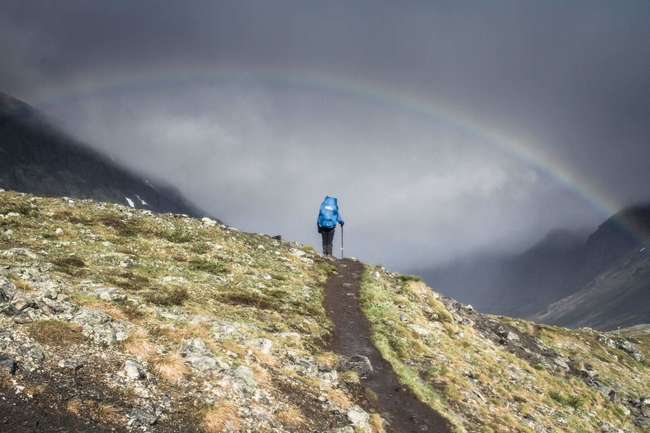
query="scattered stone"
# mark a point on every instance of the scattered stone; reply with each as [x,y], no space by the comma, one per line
[87,316]
[298,253]
[8,310]
[173,279]
[208,222]
[420,330]
[7,365]
[289,335]
[503,332]
[243,380]
[14,252]
[614,397]
[141,418]
[346,429]
[110,294]
[359,418]
[606,427]
[134,370]
[22,318]
[197,346]
[71,364]
[23,303]
[357,363]
[630,349]
[262,344]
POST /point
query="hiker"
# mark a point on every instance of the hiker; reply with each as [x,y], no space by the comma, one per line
[327,219]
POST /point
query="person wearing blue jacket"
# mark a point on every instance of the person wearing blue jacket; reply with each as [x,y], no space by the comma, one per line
[327,219]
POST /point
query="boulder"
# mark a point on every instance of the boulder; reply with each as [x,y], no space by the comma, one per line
[70,364]
[357,363]
[110,294]
[631,349]
[262,344]
[133,370]
[7,365]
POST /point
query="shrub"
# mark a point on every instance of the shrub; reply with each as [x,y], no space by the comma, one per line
[573,401]
[407,278]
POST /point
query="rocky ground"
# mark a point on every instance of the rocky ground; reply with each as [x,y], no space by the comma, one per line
[116,319]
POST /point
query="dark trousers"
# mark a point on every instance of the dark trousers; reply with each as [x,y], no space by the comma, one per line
[328,238]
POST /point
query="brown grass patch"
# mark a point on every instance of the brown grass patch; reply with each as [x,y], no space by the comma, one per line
[377,423]
[21,284]
[74,406]
[107,413]
[56,333]
[171,367]
[222,416]
[339,398]
[138,344]
[167,297]
[291,417]
[235,348]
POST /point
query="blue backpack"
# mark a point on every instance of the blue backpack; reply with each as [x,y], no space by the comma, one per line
[329,213]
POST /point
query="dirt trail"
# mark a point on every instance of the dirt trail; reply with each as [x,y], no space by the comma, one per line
[352,336]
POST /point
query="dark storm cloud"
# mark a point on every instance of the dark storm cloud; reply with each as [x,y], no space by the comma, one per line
[567,78]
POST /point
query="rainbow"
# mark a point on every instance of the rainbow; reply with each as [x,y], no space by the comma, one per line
[523,149]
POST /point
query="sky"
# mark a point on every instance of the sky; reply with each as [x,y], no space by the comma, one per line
[443,127]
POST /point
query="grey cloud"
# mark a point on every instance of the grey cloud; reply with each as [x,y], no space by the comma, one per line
[568,78]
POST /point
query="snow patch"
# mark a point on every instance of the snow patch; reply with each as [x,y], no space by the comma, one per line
[130,202]
[142,201]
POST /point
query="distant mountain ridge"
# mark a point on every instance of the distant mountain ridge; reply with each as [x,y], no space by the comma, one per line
[617,270]
[567,279]
[38,158]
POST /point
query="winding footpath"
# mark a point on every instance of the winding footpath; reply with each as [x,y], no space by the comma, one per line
[352,336]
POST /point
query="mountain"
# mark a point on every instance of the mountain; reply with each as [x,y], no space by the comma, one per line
[519,285]
[119,319]
[38,158]
[617,264]
[563,280]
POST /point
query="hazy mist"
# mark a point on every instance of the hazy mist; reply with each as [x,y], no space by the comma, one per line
[425,119]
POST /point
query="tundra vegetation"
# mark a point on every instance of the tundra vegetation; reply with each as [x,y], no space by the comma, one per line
[167,322]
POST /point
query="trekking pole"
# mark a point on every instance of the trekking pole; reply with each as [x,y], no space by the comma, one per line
[341,242]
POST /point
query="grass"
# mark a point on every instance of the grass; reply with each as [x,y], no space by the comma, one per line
[21,284]
[167,297]
[222,417]
[56,333]
[291,417]
[573,401]
[170,367]
[407,278]
[211,267]
[110,245]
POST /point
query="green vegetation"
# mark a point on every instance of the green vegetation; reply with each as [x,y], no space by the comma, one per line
[167,297]
[181,275]
[573,401]
[407,278]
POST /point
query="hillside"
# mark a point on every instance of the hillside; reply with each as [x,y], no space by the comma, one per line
[616,277]
[119,319]
[619,297]
[39,158]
